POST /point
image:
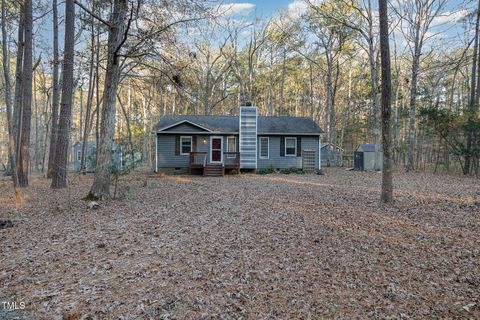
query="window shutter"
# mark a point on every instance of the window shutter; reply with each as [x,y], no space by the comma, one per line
[194,143]
[299,146]
[282,146]
[177,145]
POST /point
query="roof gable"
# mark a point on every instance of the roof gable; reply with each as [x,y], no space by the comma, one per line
[185,126]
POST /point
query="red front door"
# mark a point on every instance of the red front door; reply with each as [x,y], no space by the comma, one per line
[216,146]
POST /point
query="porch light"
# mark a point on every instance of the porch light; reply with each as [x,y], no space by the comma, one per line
[204,140]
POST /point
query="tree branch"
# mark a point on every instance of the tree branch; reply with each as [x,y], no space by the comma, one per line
[92,14]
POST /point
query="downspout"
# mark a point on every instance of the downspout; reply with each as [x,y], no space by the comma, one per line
[320,151]
[156,152]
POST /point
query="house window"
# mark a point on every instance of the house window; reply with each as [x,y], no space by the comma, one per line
[291,147]
[231,146]
[264,142]
[185,145]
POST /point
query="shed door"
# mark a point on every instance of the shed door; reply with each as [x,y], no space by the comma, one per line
[358,161]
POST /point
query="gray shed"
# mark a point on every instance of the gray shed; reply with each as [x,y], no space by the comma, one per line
[364,157]
[331,155]
[90,157]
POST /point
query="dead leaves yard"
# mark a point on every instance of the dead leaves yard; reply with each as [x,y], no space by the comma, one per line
[249,246]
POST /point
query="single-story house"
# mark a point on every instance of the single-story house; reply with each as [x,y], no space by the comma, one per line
[364,157]
[90,156]
[332,155]
[246,141]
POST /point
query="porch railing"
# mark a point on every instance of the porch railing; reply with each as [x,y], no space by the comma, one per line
[197,160]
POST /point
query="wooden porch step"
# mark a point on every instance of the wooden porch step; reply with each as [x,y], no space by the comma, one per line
[213,171]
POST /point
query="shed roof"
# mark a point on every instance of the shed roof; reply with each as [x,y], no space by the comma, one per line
[326,144]
[230,124]
[368,147]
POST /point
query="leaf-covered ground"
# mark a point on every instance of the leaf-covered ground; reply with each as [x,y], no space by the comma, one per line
[249,246]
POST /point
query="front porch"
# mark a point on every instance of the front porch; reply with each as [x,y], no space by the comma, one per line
[198,161]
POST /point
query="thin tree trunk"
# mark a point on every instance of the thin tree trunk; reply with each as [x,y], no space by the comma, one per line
[101,181]
[35,104]
[8,103]
[473,97]
[129,131]
[387,173]
[59,178]
[26,111]
[91,88]
[55,94]
[17,106]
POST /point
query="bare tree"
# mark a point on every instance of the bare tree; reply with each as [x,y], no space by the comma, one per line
[17,104]
[117,35]
[416,18]
[59,177]
[26,110]
[474,95]
[8,103]
[387,186]
[55,94]
[91,88]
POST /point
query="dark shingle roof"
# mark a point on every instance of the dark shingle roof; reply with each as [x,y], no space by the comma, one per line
[229,124]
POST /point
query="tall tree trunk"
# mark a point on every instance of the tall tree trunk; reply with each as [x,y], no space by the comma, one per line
[282,87]
[473,102]
[376,111]
[329,97]
[59,178]
[413,107]
[35,104]
[8,103]
[116,34]
[26,111]
[91,88]
[17,105]
[55,94]
[387,185]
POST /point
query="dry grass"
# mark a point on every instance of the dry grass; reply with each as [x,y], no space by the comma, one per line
[249,246]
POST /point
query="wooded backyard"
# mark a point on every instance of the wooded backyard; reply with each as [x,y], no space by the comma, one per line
[246,246]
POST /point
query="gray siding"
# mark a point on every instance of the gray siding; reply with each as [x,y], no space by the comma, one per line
[167,159]
[369,160]
[276,161]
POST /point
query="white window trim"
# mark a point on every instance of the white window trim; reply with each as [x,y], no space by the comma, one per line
[181,146]
[295,153]
[221,149]
[268,148]
[230,156]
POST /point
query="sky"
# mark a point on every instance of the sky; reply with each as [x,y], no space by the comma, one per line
[446,26]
